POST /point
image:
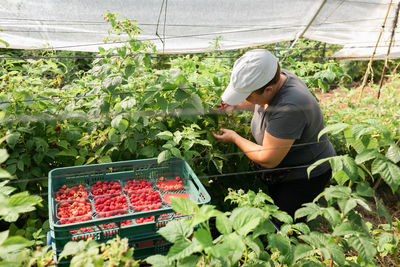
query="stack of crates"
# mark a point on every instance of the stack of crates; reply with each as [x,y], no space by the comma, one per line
[138,224]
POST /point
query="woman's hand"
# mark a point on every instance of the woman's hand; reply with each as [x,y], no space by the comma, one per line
[227,135]
[225,107]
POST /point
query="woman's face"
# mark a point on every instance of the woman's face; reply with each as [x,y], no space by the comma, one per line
[261,99]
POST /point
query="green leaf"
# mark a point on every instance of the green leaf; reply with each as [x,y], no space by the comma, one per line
[333,129]
[362,129]
[231,249]
[347,205]
[332,216]
[337,192]
[177,137]
[104,159]
[204,214]
[63,143]
[128,103]
[70,248]
[71,152]
[315,239]
[3,236]
[163,156]
[5,174]
[363,246]
[129,70]
[158,260]
[189,261]
[223,224]
[279,242]
[389,171]
[323,85]
[182,249]
[219,164]
[3,155]
[20,165]
[364,189]
[22,202]
[367,155]
[166,135]
[11,169]
[346,228]
[302,251]
[162,103]
[148,151]
[204,237]
[363,204]
[131,145]
[316,164]
[302,227]
[255,245]
[111,82]
[393,153]
[15,243]
[216,81]
[176,230]
[181,95]
[349,166]
[337,253]
[190,154]
[175,152]
[382,211]
[184,205]
[283,217]
[265,227]
[6,190]
[197,103]
[120,124]
[12,139]
[246,219]
[311,210]
[384,239]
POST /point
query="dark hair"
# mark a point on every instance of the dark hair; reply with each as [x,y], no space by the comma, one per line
[273,81]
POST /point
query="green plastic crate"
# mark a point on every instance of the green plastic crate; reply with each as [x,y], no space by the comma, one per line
[104,229]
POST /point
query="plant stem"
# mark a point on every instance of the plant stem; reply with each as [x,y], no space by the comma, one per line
[395,254]
[377,183]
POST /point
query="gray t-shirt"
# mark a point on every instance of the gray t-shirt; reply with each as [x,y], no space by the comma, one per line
[294,114]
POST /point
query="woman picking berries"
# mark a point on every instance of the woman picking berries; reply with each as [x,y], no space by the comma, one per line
[285,125]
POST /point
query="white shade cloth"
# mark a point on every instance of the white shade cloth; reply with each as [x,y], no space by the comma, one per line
[194,25]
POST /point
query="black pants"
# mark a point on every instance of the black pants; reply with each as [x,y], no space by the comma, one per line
[289,196]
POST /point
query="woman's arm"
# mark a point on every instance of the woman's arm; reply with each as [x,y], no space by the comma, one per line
[245,105]
[269,155]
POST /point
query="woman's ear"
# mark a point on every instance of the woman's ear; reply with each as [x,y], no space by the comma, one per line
[268,89]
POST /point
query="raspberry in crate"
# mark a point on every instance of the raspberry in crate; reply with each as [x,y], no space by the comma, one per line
[110,205]
[74,211]
[167,197]
[145,201]
[170,184]
[71,193]
[144,219]
[106,188]
[138,186]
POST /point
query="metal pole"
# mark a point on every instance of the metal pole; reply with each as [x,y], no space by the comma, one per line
[309,23]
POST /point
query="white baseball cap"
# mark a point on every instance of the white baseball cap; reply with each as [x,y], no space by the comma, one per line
[250,72]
